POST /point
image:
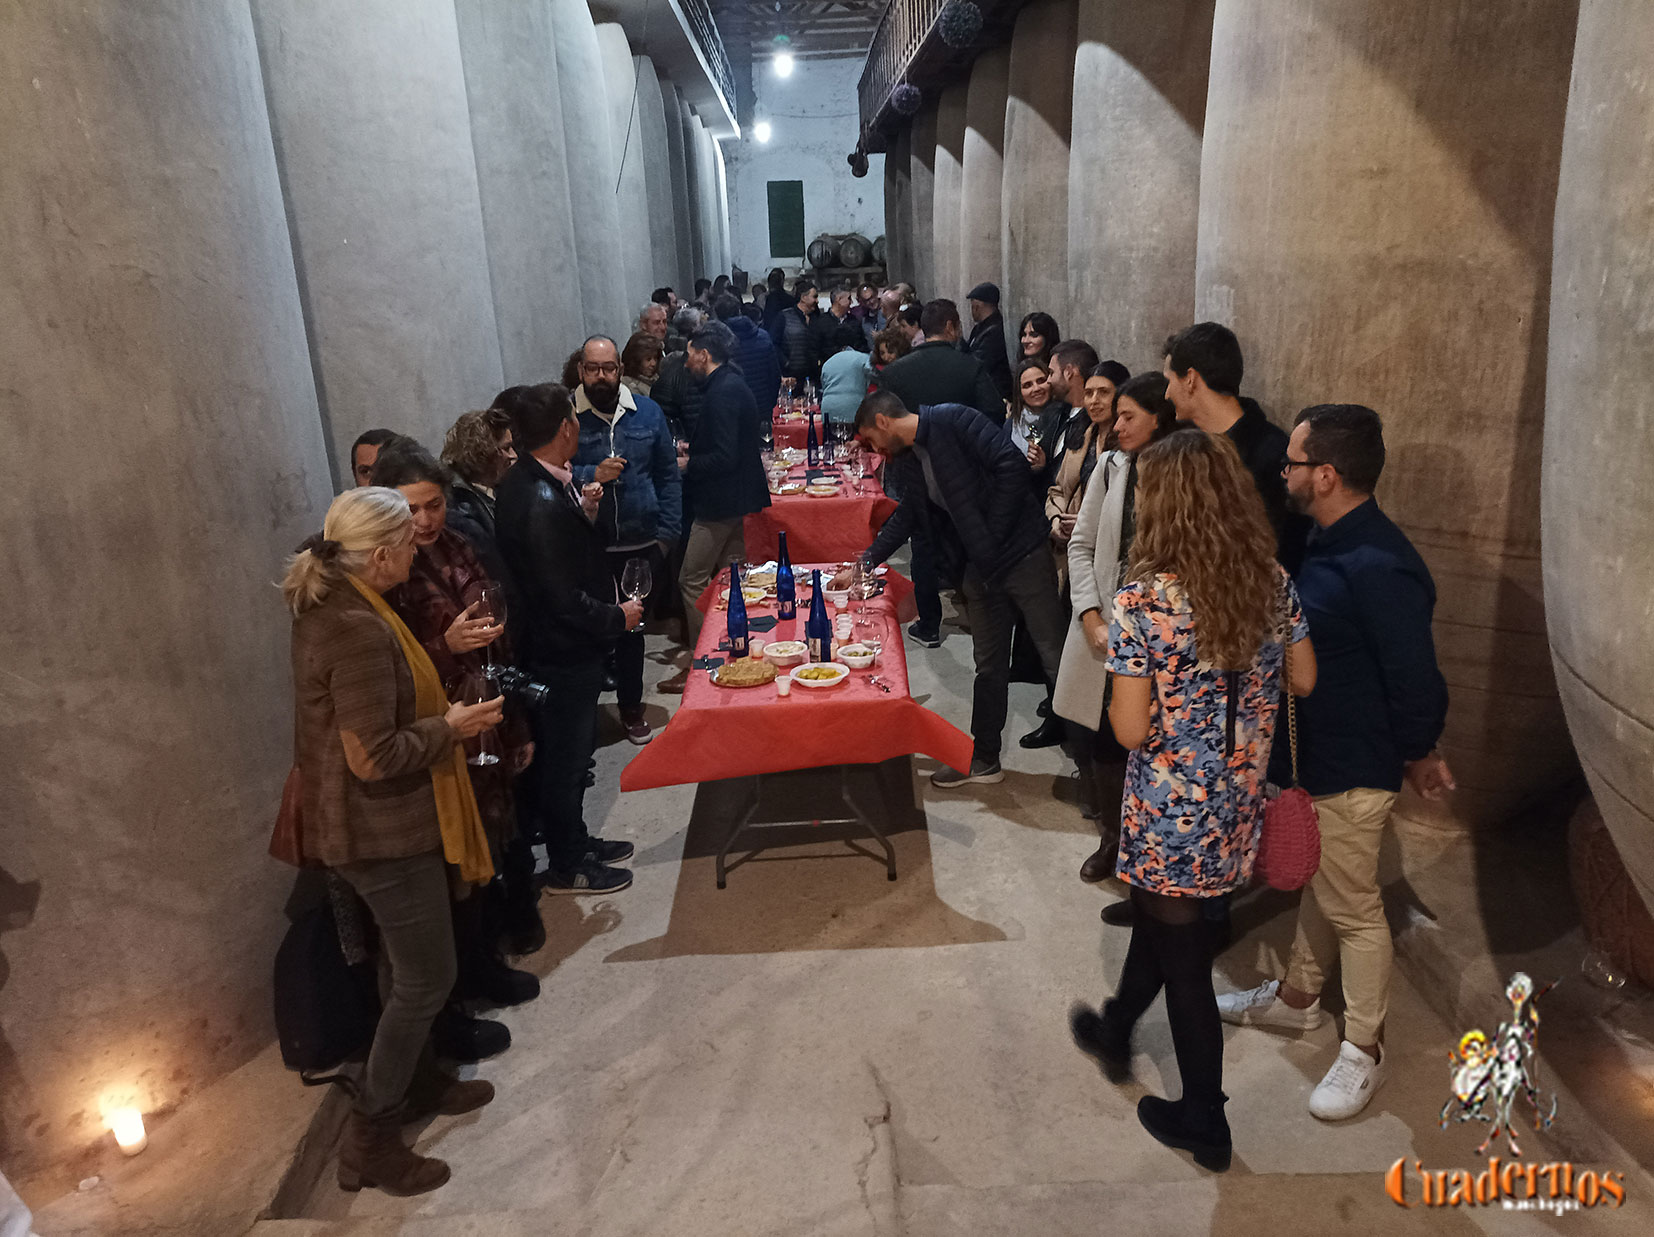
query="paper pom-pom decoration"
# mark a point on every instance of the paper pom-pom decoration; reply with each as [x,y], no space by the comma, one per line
[906,99]
[960,23]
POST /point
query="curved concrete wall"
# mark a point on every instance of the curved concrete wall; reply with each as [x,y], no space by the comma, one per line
[722,207]
[381,184]
[630,201]
[1034,202]
[922,201]
[694,176]
[898,214]
[683,273]
[657,173]
[152,315]
[591,164]
[517,134]
[1391,246]
[945,196]
[1134,173]
[982,170]
[1599,441]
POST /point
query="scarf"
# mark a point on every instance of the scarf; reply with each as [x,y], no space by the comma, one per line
[463,842]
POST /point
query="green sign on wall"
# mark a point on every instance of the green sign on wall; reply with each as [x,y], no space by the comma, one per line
[786,218]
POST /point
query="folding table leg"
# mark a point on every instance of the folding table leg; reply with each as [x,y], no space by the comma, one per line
[741,823]
[866,818]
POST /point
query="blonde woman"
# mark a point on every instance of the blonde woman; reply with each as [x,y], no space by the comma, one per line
[1197,644]
[386,802]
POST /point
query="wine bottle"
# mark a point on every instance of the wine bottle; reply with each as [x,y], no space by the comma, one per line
[826,437]
[818,628]
[786,588]
[738,644]
[812,445]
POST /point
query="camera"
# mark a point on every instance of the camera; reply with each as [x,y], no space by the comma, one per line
[521,687]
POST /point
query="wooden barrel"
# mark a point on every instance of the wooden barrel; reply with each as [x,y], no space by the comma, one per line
[855,250]
[879,250]
[823,251]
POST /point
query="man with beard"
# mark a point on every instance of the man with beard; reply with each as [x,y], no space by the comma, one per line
[987,341]
[626,446]
[1071,364]
[1371,723]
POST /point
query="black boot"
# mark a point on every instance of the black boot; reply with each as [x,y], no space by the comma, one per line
[1190,1125]
[1100,865]
[467,1040]
[1048,733]
[1104,1039]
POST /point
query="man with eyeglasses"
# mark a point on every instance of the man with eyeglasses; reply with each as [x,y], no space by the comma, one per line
[626,445]
[1372,723]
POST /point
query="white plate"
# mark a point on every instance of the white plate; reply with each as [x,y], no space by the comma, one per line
[843,673]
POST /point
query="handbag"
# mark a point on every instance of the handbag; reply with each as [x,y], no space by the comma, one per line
[287,838]
[1289,846]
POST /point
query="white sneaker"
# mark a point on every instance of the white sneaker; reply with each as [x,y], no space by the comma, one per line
[1349,1084]
[1263,1007]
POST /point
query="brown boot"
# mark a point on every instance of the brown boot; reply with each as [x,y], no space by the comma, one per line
[373,1154]
[435,1093]
[1100,864]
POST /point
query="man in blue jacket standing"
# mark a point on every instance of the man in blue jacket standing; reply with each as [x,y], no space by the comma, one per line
[963,481]
[724,469]
[1371,723]
[754,354]
[625,444]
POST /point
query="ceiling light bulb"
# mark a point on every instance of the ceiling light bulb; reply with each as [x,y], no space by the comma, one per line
[761,130]
[783,64]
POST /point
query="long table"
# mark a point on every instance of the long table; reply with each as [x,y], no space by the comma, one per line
[827,530]
[722,732]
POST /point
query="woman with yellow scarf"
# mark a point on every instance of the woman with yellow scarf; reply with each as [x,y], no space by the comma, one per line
[387,804]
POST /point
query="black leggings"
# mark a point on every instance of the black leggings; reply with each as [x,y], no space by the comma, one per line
[1171,948]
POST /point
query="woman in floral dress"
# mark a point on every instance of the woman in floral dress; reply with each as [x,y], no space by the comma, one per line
[1196,650]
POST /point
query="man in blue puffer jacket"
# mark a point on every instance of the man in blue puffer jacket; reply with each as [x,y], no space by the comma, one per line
[754,353]
[625,443]
[963,480]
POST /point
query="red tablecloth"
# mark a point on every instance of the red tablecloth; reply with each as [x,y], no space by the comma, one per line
[792,432]
[827,530]
[721,732]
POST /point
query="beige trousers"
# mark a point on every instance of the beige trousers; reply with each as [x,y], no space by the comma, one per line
[712,543]
[1342,914]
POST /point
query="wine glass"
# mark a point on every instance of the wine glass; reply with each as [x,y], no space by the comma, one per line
[476,688]
[857,468]
[635,579]
[873,642]
[493,606]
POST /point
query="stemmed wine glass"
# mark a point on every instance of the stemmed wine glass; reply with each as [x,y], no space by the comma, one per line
[493,606]
[856,466]
[476,688]
[635,579]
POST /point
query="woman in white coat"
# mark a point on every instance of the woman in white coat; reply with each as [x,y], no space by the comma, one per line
[1097,550]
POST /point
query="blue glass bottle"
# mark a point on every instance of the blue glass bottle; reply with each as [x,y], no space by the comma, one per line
[738,643]
[812,445]
[786,588]
[818,628]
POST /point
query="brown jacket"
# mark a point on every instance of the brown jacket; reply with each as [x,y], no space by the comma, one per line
[362,754]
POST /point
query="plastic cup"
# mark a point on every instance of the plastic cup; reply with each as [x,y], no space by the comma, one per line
[755,646]
[783,685]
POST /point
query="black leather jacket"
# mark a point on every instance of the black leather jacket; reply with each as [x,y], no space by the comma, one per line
[566,611]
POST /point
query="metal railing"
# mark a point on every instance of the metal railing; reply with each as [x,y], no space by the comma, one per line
[712,47]
[901,32]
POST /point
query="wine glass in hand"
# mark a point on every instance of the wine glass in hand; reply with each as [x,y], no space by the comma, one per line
[635,579]
[493,607]
[478,688]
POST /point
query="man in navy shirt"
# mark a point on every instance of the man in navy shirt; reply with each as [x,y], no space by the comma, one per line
[1371,723]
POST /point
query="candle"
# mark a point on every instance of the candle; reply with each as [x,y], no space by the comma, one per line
[127,1124]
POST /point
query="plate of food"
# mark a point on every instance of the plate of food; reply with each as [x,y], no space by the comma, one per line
[856,656]
[785,652]
[750,593]
[821,489]
[744,672]
[822,674]
[789,487]
[760,578]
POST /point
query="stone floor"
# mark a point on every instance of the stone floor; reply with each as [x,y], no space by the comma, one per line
[815,1050]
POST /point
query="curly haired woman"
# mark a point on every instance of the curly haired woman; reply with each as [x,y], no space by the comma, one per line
[1197,646]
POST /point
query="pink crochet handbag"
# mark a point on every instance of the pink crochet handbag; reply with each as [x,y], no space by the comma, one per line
[1289,846]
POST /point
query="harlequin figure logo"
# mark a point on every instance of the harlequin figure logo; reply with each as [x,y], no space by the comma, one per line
[1488,1077]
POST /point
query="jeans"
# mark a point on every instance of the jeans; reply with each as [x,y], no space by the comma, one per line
[712,543]
[1341,914]
[409,902]
[565,734]
[1028,589]
[927,594]
[628,653]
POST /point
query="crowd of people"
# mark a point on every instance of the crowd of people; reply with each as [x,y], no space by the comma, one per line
[1169,564]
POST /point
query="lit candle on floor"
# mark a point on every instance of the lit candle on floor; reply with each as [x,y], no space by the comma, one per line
[127,1124]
